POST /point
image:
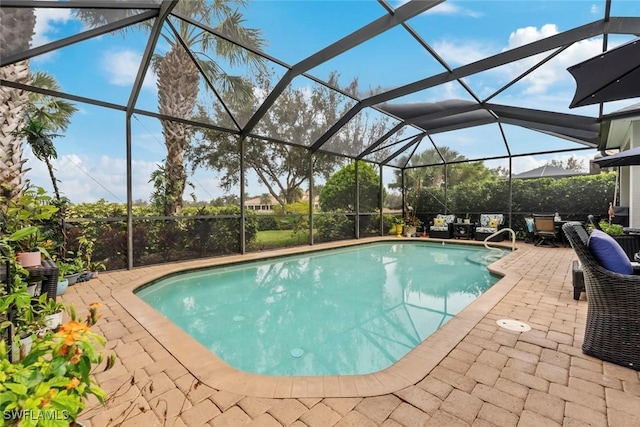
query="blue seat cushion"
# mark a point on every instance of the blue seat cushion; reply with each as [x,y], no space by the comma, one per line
[608,253]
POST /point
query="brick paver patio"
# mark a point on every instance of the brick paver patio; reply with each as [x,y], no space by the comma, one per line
[493,377]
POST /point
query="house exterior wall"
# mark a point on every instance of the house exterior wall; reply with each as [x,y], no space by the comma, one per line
[633,179]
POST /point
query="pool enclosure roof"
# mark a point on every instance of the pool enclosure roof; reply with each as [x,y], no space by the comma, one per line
[430,92]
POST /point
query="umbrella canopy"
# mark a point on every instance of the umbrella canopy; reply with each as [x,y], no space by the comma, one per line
[610,76]
[546,171]
[623,158]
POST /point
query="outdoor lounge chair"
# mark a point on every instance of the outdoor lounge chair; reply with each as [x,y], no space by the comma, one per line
[442,227]
[545,230]
[612,331]
[489,224]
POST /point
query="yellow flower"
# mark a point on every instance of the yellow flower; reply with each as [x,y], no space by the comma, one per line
[47,400]
[95,305]
[63,350]
[73,383]
[75,359]
[72,331]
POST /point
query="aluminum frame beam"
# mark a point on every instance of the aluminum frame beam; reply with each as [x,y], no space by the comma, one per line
[379,26]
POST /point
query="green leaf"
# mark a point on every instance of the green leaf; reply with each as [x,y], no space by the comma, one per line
[19,389]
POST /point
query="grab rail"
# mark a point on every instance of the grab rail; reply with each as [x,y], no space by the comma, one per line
[513,238]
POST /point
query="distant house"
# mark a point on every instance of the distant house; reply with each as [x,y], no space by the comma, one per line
[266,204]
[547,171]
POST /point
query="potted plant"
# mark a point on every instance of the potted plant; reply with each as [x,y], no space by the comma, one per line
[70,269]
[411,223]
[63,284]
[630,243]
[25,219]
[21,320]
[51,312]
[68,272]
[52,383]
[399,222]
[611,229]
[24,323]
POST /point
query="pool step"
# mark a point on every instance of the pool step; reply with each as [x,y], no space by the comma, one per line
[485,258]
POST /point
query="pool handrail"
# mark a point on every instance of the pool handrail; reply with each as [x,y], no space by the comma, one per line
[513,238]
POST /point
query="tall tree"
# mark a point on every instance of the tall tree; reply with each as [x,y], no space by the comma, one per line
[339,191]
[179,78]
[299,116]
[46,115]
[572,164]
[16,35]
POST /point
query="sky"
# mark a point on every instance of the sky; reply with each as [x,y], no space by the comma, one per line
[92,153]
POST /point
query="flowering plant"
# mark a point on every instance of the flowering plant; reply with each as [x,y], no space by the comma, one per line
[49,386]
[412,221]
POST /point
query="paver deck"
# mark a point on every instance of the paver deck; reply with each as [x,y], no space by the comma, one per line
[482,376]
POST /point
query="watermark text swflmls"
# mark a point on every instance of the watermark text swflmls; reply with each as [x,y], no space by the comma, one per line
[35,414]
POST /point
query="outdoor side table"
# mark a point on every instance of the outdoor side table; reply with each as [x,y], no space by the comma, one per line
[463,230]
[49,271]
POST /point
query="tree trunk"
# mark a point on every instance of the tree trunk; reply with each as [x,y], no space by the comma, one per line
[17,31]
[178,80]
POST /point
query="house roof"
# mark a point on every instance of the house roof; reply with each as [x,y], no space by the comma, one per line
[547,171]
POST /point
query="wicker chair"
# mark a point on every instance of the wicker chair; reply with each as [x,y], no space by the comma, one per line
[489,224]
[612,331]
[443,230]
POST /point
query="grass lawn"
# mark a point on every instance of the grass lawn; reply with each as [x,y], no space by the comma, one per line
[281,238]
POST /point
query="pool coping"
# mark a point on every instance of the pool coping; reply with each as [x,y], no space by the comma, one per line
[211,370]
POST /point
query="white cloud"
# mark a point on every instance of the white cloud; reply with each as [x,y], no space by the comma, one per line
[85,178]
[46,28]
[450,8]
[45,20]
[546,80]
[122,66]
[595,9]
[457,52]
[554,71]
[447,8]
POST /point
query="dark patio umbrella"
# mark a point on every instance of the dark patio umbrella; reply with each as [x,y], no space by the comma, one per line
[610,76]
[623,158]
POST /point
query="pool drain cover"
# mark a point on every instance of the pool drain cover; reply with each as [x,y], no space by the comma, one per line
[296,352]
[513,325]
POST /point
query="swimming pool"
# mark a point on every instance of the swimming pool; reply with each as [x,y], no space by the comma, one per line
[346,311]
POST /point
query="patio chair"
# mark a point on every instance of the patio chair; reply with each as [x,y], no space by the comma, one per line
[489,224]
[545,230]
[442,227]
[612,331]
[530,229]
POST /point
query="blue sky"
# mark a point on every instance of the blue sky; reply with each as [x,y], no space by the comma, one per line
[92,154]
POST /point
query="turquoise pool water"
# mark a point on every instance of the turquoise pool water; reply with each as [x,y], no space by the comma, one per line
[346,311]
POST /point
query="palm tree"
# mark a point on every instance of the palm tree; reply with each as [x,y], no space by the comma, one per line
[46,115]
[38,136]
[179,78]
[17,31]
